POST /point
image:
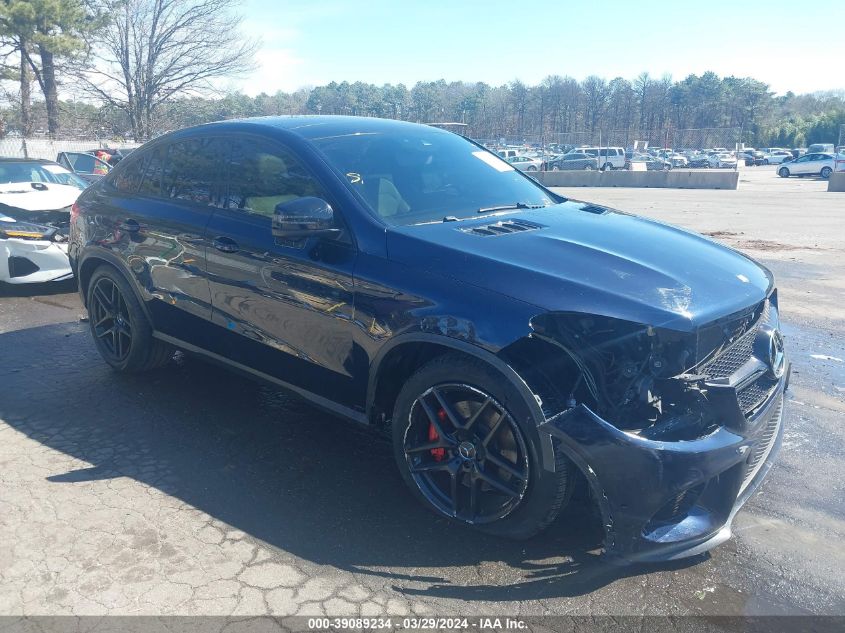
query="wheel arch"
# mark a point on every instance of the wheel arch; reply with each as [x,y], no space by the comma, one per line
[89,262]
[398,359]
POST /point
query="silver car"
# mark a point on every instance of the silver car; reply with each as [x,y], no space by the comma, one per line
[809,165]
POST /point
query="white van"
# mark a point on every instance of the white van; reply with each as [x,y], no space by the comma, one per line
[821,148]
[608,157]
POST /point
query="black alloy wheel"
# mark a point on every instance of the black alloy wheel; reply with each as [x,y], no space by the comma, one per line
[466,454]
[110,319]
[121,329]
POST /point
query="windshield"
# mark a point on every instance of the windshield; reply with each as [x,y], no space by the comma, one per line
[415,176]
[39,172]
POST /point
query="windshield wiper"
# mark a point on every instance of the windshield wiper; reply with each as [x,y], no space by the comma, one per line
[506,207]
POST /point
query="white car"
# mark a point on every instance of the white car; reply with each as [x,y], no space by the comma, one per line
[809,165]
[722,159]
[677,160]
[777,157]
[34,219]
[526,163]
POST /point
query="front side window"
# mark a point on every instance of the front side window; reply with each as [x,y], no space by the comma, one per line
[262,176]
[409,176]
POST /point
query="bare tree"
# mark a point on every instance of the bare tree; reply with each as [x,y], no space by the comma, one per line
[155,50]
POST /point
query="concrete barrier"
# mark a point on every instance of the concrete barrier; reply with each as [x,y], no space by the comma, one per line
[836,182]
[675,179]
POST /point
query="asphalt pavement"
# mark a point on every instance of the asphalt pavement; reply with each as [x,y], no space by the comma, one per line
[192,490]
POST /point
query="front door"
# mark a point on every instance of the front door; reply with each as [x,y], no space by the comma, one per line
[285,308]
[86,165]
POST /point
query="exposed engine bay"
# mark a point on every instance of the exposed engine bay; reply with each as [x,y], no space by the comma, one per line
[644,380]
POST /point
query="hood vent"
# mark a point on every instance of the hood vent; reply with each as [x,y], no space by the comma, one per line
[594,208]
[503,228]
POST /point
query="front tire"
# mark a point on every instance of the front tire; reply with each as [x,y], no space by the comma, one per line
[121,331]
[467,446]
[783,172]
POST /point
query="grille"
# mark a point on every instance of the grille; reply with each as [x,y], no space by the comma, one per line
[764,444]
[678,507]
[737,353]
[503,228]
[755,394]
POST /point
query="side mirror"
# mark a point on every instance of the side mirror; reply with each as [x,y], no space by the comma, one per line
[304,217]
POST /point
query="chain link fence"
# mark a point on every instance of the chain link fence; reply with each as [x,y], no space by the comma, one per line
[681,147]
[841,144]
[48,148]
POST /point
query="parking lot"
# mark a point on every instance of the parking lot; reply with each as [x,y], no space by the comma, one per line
[165,494]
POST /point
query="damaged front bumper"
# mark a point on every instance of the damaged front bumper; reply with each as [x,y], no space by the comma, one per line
[663,500]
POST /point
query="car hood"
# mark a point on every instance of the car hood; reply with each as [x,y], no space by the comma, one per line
[583,258]
[31,196]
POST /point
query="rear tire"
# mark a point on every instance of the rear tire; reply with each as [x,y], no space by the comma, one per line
[461,477]
[122,333]
[825,172]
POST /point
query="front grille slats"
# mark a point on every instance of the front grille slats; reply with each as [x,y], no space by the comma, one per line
[737,354]
[764,443]
[755,394]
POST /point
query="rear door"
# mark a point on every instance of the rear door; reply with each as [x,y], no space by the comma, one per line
[284,309]
[154,216]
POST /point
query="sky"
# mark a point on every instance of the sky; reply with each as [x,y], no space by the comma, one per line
[791,45]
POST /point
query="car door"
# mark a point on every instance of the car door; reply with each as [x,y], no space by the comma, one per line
[89,167]
[284,309]
[152,215]
[803,165]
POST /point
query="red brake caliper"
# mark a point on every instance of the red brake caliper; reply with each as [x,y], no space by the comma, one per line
[437,453]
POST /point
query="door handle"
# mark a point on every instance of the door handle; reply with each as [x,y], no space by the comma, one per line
[130,226]
[225,245]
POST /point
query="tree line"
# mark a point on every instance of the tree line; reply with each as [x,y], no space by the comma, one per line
[141,67]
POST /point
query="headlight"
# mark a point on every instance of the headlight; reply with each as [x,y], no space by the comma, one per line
[626,372]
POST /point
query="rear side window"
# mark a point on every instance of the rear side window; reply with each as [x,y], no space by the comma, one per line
[191,170]
[151,182]
[262,176]
[129,177]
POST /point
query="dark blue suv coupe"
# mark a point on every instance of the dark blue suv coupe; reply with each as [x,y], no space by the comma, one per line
[404,277]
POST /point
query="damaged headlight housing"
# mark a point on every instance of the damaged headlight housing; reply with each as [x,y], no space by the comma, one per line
[632,375]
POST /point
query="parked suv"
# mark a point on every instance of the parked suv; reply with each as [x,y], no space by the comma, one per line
[608,157]
[511,341]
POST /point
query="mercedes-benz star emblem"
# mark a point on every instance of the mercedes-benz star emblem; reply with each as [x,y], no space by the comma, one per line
[777,356]
[466,450]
